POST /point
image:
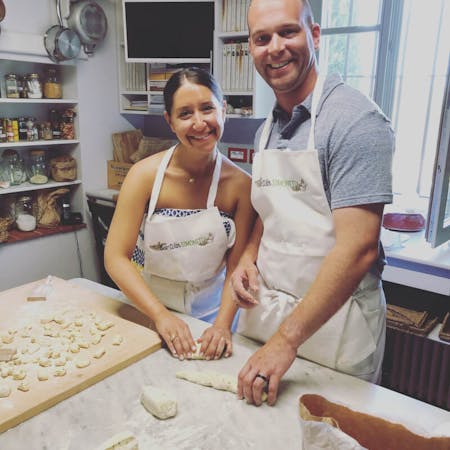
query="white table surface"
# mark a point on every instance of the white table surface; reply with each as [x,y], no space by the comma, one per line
[207,418]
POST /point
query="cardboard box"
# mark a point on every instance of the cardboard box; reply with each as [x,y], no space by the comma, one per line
[116,173]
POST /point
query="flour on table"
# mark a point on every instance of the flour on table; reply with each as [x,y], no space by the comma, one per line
[158,402]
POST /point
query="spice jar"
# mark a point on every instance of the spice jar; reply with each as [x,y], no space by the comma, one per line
[14,167]
[38,169]
[34,87]
[12,88]
[25,215]
[52,85]
[67,125]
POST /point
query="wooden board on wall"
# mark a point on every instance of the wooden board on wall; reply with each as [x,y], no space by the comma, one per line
[17,314]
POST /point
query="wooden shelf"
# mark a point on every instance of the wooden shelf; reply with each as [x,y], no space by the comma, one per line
[17,235]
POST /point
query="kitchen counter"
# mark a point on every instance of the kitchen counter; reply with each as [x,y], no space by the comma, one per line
[207,418]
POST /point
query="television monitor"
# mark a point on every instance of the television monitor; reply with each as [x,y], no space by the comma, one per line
[158,31]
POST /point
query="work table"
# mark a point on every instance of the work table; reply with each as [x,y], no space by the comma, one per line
[206,418]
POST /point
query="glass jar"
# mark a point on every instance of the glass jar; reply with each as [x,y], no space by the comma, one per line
[46,131]
[12,88]
[67,124]
[14,167]
[38,169]
[34,87]
[25,213]
[52,85]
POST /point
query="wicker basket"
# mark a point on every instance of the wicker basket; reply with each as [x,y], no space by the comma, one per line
[4,226]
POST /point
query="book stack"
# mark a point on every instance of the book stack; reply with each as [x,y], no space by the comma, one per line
[237,67]
[135,76]
[234,15]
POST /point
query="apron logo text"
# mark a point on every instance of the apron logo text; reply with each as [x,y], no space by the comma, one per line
[200,241]
[297,186]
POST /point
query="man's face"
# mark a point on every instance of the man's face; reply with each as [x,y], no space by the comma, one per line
[281,44]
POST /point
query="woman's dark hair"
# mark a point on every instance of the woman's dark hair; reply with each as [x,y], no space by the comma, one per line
[193,75]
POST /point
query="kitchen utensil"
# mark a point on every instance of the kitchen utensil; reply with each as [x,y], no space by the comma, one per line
[61,43]
[88,19]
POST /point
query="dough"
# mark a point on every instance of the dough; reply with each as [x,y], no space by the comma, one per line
[196,354]
[158,402]
[82,363]
[5,390]
[42,374]
[216,380]
[99,353]
[121,441]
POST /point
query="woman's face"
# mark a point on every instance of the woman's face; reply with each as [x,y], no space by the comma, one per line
[197,117]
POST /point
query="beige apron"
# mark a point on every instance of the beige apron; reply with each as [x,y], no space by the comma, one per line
[288,194]
[185,256]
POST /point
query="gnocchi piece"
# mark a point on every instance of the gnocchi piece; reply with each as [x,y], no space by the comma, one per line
[59,372]
[24,387]
[81,363]
[19,374]
[104,325]
[99,353]
[117,339]
[5,390]
[42,374]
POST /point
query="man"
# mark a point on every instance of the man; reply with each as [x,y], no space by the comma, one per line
[309,281]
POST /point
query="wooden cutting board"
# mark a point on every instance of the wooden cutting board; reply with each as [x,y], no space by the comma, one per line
[80,310]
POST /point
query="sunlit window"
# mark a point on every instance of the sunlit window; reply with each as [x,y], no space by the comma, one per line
[395,51]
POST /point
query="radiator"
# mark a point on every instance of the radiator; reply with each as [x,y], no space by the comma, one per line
[418,367]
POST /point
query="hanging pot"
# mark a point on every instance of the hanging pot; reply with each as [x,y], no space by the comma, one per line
[61,43]
[88,19]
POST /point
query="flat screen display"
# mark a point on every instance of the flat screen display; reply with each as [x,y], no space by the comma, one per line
[166,31]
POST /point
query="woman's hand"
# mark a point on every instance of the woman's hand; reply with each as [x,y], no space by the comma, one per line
[215,342]
[176,334]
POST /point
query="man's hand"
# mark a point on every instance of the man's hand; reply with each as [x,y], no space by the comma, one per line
[264,370]
[244,284]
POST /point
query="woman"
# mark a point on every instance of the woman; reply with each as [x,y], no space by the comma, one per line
[199,217]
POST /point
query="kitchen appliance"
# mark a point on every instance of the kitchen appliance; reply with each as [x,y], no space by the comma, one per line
[88,19]
[61,43]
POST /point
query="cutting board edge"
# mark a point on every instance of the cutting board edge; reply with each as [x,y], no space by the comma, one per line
[37,409]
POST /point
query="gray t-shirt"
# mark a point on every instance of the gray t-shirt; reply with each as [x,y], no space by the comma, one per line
[354,139]
[355,143]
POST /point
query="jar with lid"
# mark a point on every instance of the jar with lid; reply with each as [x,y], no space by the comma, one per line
[25,213]
[12,87]
[52,84]
[38,169]
[34,86]
[14,167]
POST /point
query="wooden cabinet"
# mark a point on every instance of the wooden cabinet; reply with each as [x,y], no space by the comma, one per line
[39,110]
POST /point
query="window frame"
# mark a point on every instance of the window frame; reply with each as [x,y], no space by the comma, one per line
[436,232]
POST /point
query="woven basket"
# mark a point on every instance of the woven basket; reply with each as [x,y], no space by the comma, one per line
[4,225]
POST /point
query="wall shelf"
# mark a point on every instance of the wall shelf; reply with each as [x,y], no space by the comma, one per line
[17,235]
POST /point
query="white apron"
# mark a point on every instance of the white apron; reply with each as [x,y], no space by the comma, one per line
[185,256]
[288,194]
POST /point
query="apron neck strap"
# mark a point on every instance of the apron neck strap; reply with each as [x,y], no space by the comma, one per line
[317,93]
[215,180]
[158,180]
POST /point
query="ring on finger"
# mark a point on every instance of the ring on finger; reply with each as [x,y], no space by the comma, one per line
[172,338]
[263,377]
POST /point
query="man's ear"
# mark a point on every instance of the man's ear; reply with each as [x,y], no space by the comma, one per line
[315,33]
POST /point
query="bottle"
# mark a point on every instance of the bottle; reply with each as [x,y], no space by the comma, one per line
[34,87]
[14,167]
[52,85]
[12,88]
[37,167]
[25,214]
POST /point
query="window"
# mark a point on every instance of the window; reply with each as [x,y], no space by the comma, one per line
[396,51]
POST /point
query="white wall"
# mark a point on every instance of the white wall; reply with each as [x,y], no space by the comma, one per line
[22,32]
